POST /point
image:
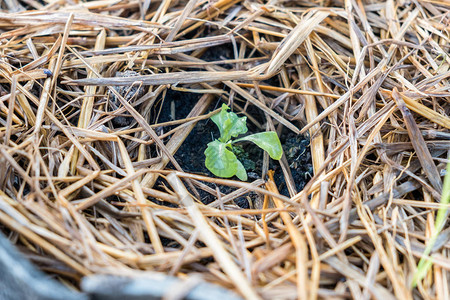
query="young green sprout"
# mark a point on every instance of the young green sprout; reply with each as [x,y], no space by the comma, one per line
[221,160]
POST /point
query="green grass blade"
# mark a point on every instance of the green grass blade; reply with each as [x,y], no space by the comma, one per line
[426,261]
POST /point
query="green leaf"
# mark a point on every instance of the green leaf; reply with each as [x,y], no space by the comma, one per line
[230,125]
[241,172]
[426,261]
[268,141]
[220,161]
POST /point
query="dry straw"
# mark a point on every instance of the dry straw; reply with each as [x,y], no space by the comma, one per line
[366,81]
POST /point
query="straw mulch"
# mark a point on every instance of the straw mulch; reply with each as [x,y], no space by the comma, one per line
[368,81]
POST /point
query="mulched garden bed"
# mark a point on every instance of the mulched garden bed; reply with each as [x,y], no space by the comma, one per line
[105,113]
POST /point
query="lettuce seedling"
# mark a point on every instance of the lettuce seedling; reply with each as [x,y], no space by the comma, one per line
[221,160]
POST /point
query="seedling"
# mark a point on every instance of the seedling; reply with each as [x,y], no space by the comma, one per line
[221,160]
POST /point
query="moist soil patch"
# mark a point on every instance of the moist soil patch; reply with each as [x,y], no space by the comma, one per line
[191,155]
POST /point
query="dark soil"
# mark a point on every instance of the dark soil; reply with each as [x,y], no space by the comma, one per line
[191,156]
